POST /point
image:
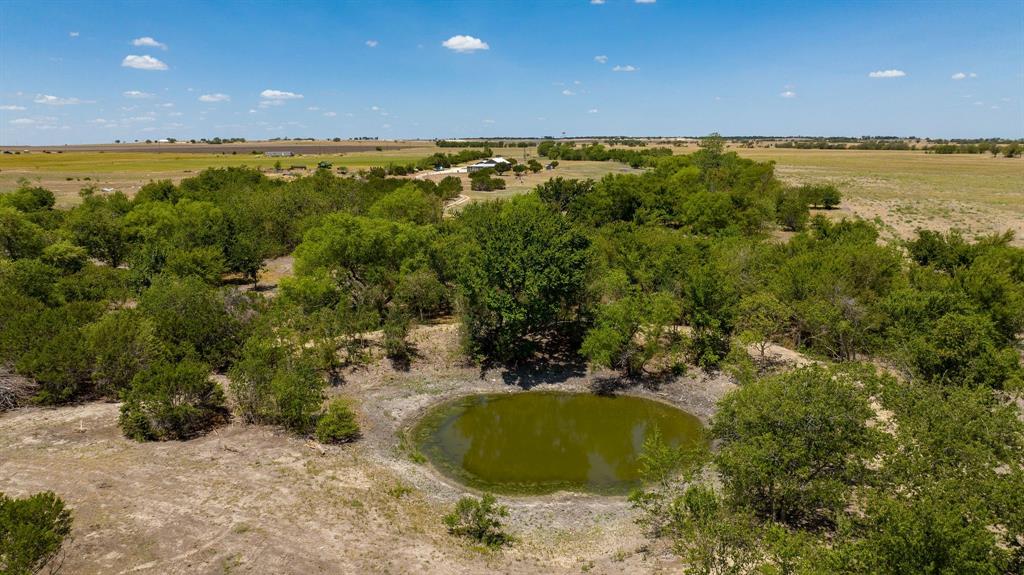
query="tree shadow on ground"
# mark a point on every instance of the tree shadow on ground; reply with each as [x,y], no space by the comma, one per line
[612,384]
[403,361]
[530,375]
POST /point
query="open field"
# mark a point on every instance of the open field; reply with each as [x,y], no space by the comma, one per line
[975,193]
[66,173]
[254,499]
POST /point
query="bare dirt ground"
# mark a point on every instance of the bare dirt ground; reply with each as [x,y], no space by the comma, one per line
[252,499]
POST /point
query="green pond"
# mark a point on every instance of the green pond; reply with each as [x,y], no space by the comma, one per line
[533,443]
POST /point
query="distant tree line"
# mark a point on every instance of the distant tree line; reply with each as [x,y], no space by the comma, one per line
[599,153]
[483,144]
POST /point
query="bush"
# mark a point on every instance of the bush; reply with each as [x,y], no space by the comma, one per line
[172,401]
[32,531]
[337,424]
[191,318]
[479,521]
[270,385]
[121,344]
[296,395]
[65,256]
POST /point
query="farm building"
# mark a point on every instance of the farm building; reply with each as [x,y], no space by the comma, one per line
[279,154]
[488,163]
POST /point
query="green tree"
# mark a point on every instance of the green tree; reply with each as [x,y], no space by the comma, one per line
[19,236]
[121,344]
[629,332]
[792,211]
[274,384]
[98,226]
[521,275]
[172,402]
[65,256]
[192,319]
[32,532]
[760,318]
[793,444]
[408,204]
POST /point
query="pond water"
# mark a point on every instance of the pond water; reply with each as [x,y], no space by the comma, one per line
[533,443]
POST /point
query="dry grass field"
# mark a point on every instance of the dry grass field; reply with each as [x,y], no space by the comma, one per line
[977,194]
[127,168]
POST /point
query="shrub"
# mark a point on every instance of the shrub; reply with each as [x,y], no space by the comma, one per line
[296,395]
[122,343]
[270,385]
[337,424]
[191,318]
[65,256]
[32,531]
[478,520]
[172,401]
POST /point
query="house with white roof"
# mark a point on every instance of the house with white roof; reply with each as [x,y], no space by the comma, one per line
[488,163]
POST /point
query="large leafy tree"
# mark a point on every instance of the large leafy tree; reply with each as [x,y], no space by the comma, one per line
[793,444]
[522,277]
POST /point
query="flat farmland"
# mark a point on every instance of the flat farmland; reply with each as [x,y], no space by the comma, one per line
[67,172]
[975,193]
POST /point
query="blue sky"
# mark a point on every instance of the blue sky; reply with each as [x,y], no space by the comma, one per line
[73,72]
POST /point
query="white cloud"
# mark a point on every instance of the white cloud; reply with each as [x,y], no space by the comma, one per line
[568,92]
[592,111]
[372,43]
[330,114]
[374,108]
[788,94]
[646,1]
[488,121]
[98,121]
[626,68]
[602,59]
[73,34]
[213,98]
[147,41]
[56,101]
[962,75]
[280,95]
[313,108]
[887,74]
[597,2]
[23,121]
[465,44]
[136,94]
[12,107]
[143,62]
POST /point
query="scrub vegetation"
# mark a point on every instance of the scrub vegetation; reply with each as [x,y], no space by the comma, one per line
[903,436]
